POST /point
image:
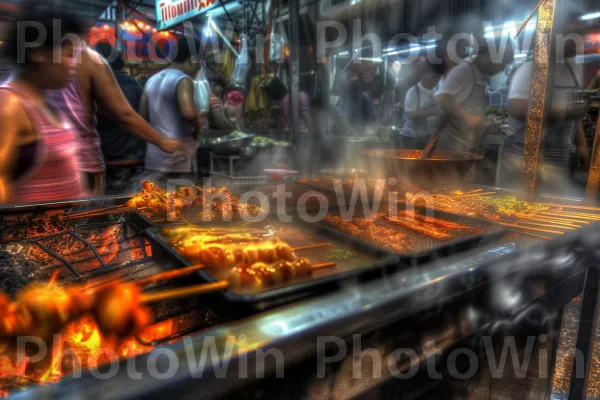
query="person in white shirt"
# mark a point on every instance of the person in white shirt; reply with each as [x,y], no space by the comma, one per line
[564,124]
[422,114]
[463,99]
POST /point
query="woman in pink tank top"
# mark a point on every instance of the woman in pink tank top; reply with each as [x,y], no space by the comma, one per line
[37,149]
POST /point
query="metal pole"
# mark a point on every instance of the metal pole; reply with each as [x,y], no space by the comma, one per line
[540,94]
[591,190]
[121,7]
[586,332]
[294,7]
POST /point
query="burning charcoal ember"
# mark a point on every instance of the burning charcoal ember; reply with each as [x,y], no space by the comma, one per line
[87,323]
[32,225]
[16,271]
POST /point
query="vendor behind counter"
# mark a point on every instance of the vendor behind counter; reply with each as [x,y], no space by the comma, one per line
[463,99]
[124,153]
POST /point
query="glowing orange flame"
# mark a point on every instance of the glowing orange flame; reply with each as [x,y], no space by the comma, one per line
[85,343]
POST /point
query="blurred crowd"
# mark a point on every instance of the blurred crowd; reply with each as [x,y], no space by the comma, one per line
[76,124]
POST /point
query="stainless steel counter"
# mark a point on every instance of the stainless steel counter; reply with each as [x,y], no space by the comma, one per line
[492,289]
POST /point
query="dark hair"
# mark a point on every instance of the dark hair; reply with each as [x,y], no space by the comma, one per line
[187,48]
[435,66]
[111,54]
[55,21]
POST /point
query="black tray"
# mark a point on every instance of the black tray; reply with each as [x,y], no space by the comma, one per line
[230,144]
[430,249]
[259,301]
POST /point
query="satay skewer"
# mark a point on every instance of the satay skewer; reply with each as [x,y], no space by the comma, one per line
[552,226]
[552,219]
[575,213]
[589,217]
[527,228]
[204,288]
[561,206]
[544,221]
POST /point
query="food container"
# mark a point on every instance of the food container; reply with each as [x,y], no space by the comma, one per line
[368,262]
[441,169]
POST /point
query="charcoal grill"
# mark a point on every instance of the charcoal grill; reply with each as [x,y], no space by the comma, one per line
[78,253]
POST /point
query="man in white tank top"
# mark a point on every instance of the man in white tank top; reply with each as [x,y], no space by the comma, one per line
[169,105]
[464,101]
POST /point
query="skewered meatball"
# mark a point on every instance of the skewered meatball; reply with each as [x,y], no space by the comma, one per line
[119,313]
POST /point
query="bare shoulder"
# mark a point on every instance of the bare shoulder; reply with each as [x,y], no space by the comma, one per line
[13,117]
[93,62]
[185,83]
[10,104]
[93,57]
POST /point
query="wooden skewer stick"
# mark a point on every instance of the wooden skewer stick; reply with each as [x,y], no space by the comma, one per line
[556,220]
[529,18]
[553,226]
[168,275]
[591,217]
[163,276]
[531,229]
[544,221]
[97,210]
[324,265]
[312,247]
[472,192]
[462,196]
[578,213]
[180,293]
[97,213]
[204,288]
[573,207]
[576,218]
[534,235]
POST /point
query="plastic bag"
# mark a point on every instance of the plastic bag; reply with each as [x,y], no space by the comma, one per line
[202,92]
[276,49]
[242,65]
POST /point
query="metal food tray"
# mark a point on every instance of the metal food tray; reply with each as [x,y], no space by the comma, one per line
[382,262]
[329,192]
[190,216]
[427,249]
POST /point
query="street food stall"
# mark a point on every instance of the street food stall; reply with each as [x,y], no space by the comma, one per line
[401,279]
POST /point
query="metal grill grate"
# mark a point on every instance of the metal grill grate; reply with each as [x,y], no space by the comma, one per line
[87,252]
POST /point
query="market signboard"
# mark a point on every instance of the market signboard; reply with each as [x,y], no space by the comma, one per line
[173,12]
